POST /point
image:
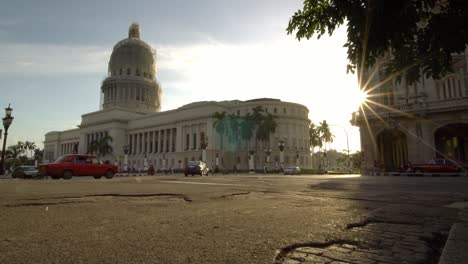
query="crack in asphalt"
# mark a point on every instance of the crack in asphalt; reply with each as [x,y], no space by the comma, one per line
[373,221]
[233,194]
[280,257]
[41,204]
[181,196]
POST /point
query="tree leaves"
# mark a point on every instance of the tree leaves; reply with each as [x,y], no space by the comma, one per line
[421,35]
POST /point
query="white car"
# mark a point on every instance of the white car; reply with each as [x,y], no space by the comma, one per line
[292,170]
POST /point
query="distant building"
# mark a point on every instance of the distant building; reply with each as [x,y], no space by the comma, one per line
[130,114]
[414,123]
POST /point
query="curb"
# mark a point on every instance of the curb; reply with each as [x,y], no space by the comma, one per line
[456,248]
[405,174]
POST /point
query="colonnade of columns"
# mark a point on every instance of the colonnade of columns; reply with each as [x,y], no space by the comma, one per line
[157,141]
[94,137]
[67,148]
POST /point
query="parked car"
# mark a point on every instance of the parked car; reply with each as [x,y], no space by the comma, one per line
[71,165]
[439,166]
[196,167]
[292,170]
[25,172]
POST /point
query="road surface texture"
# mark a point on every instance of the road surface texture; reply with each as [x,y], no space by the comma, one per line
[229,219]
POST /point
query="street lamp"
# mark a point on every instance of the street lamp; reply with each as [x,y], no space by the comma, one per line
[126,150]
[267,154]
[347,144]
[251,161]
[7,120]
[297,158]
[281,145]
[204,145]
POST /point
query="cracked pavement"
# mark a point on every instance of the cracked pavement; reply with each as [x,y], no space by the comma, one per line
[229,219]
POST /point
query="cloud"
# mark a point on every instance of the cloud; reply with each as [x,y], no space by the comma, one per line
[52,59]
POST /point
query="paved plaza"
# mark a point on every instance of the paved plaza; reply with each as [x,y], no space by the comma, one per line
[229,219]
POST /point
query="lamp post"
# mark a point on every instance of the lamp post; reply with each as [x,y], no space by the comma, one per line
[267,154]
[251,161]
[204,145]
[125,150]
[347,144]
[145,164]
[297,158]
[216,163]
[7,120]
[281,145]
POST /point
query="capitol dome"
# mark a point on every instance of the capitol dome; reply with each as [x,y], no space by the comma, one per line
[132,56]
[131,82]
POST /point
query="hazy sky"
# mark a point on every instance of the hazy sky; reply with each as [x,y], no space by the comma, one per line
[54,55]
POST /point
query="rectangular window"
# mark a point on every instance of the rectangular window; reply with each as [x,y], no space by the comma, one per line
[187,141]
[194,143]
[128,71]
[449,88]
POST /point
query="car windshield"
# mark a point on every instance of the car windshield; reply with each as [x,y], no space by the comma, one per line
[60,159]
[193,163]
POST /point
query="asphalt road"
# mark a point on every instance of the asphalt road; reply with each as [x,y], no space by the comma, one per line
[228,219]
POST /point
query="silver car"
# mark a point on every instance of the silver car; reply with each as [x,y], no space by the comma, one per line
[292,171]
[25,172]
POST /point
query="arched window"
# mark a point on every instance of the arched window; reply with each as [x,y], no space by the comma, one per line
[129,71]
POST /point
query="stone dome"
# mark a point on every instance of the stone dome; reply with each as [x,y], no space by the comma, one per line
[132,82]
[132,56]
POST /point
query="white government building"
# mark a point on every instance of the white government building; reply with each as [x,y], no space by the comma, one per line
[130,114]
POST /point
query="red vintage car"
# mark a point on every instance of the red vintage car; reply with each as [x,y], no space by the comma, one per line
[71,165]
[439,166]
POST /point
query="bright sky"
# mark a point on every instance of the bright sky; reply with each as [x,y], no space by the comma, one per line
[54,55]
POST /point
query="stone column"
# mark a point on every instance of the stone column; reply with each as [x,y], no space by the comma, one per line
[170,140]
[163,140]
[154,142]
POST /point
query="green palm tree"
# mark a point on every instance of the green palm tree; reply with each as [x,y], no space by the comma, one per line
[220,125]
[21,146]
[257,116]
[233,127]
[31,146]
[267,127]
[325,133]
[247,127]
[314,137]
[102,146]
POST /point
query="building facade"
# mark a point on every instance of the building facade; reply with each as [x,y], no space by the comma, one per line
[130,114]
[404,123]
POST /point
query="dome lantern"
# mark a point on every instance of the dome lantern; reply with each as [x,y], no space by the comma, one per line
[134,31]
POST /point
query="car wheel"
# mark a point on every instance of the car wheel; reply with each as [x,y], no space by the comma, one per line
[186,174]
[109,174]
[193,174]
[67,175]
[206,174]
[418,172]
[97,177]
[55,177]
